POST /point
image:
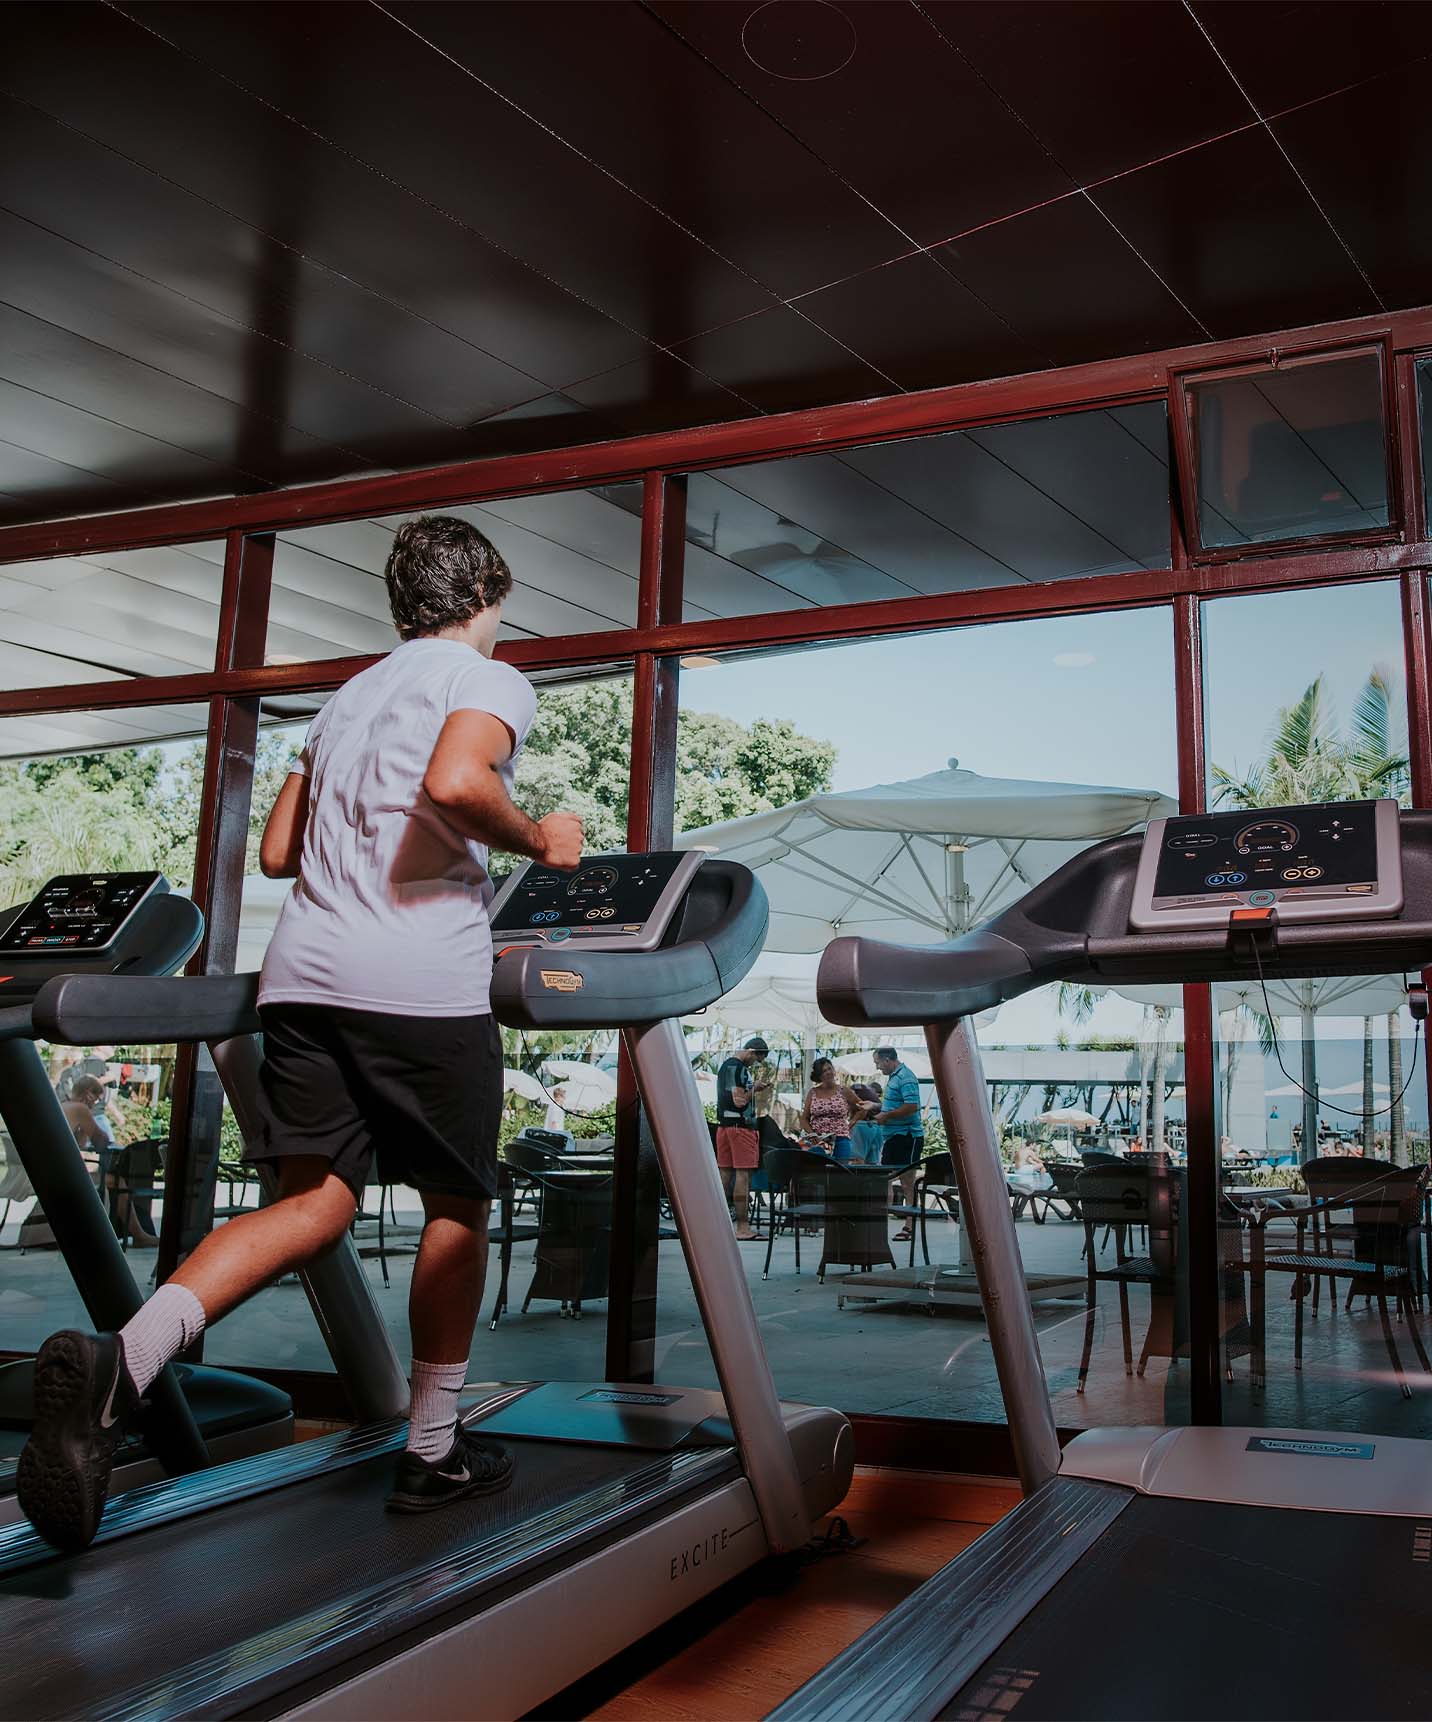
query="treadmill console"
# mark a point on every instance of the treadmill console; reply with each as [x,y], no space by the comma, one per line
[1331,861]
[78,914]
[610,902]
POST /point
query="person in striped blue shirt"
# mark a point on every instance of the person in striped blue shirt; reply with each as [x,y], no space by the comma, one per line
[901,1127]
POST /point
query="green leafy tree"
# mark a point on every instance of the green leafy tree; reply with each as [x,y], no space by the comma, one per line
[578,757]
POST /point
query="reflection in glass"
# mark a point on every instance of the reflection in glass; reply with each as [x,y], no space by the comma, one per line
[1044,499]
[89,792]
[575,557]
[1293,451]
[110,614]
[910,788]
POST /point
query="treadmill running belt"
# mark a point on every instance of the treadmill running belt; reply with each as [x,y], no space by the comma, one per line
[1187,1610]
[224,1609]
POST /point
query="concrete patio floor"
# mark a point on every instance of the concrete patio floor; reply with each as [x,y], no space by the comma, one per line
[875,1358]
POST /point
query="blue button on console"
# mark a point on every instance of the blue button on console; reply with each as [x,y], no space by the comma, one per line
[556,936]
[1262,899]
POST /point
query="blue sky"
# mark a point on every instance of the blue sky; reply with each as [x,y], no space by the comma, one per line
[1077,699]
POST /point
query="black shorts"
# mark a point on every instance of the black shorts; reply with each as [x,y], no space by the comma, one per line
[902,1150]
[422,1093]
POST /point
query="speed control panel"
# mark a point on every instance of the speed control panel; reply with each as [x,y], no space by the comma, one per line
[610,902]
[1327,861]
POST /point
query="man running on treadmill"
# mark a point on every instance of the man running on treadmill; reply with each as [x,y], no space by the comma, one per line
[378,1033]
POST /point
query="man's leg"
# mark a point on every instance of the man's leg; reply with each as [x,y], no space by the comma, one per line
[313,1209]
[448,1277]
[88,1385]
[444,1462]
[741,1181]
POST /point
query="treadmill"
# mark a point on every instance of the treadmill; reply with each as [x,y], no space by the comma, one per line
[109,923]
[1163,1573]
[279,1586]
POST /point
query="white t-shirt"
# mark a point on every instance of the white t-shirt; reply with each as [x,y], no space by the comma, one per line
[389,912]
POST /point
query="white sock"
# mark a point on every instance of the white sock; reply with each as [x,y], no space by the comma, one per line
[171,1320]
[432,1416]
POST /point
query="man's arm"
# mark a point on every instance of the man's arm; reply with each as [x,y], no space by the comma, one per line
[464,780]
[281,847]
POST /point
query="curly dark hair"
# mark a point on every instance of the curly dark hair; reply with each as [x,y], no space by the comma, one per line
[442,572]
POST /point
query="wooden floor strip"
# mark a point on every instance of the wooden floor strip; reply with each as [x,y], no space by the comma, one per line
[736,1655]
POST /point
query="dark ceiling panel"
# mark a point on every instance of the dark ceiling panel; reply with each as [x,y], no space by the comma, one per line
[246,451]
[334,67]
[1106,87]
[139,232]
[902,120]
[1108,302]
[114,81]
[919,326]
[1284,53]
[778,360]
[1237,238]
[1367,155]
[657,392]
[37,484]
[688,141]
[100,455]
[81,292]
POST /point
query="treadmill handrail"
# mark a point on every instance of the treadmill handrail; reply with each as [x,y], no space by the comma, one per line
[83,1010]
[720,932]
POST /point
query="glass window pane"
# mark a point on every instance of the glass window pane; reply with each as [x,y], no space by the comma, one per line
[1326,1070]
[575,558]
[1295,451]
[1044,499]
[1304,701]
[577,757]
[106,791]
[1048,702]
[1304,696]
[110,614]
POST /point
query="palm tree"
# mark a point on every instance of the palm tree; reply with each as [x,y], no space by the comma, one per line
[1309,760]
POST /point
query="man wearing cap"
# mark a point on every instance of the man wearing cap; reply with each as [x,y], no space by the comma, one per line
[738,1141]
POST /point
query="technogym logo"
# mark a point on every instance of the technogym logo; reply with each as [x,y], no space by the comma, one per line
[1315,1449]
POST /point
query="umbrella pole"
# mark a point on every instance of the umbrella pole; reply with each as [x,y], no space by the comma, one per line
[1310,1078]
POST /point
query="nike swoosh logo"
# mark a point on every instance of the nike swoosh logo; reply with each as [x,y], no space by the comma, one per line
[463,1476]
[106,1416]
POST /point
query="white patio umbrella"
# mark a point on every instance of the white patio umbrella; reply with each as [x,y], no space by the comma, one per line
[584,1087]
[520,1083]
[920,860]
[1332,995]
[1074,1116]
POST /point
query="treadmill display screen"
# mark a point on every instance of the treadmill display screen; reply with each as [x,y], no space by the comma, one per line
[606,894]
[79,912]
[1327,849]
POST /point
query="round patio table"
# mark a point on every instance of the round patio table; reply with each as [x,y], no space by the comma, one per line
[857,1221]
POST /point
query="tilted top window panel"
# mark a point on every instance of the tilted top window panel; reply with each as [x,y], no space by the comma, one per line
[1042,499]
[108,615]
[575,558]
[1290,451]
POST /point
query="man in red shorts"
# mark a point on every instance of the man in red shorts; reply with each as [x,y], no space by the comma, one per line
[738,1141]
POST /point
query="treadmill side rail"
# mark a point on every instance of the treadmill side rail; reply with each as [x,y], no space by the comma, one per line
[989,1231]
[718,1278]
[1311,1470]
[908,1665]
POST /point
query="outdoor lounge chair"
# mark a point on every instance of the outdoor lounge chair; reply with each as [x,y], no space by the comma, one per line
[1116,1197]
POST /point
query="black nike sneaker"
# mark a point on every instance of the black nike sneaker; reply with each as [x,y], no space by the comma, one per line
[470,1467]
[84,1399]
